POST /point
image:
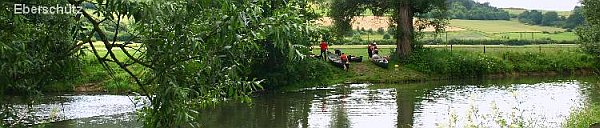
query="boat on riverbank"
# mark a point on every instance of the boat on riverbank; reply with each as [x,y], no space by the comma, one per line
[383,62]
[336,60]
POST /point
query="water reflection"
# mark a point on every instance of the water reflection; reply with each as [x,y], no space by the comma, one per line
[69,107]
[534,105]
[536,102]
[342,107]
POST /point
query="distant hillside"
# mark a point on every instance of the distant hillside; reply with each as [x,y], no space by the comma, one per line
[471,10]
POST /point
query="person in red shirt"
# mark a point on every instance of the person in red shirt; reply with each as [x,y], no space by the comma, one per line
[344,59]
[323,46]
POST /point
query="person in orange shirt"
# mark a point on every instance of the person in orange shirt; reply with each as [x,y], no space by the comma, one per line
[323,46]
[344,59]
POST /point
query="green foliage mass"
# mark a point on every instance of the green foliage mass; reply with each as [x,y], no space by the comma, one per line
[35,51]
[467,64]
[471,10]
[583,118]
[194,55]
[533,17]
[590,34]
[552,18]
[575,19]
[455,63]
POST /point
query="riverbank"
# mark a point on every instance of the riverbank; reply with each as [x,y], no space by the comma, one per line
[93,77]
[468,62]
[368,72]
[433,63]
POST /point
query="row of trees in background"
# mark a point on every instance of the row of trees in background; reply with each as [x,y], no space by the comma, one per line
[551,18]
[471,10]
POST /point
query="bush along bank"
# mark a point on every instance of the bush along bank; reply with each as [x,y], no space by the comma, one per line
[464,64]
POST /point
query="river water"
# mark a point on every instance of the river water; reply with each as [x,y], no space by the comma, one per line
[537,102]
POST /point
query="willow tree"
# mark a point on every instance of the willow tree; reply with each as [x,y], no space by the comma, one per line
[403,14]
[187,55]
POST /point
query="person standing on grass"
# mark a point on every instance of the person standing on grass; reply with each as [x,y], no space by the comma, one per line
[370,49]
[323,46]
[345,62]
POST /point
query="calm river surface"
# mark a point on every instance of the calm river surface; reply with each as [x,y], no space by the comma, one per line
[545,102]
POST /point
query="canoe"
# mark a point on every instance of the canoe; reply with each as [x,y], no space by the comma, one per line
[355,59]
[381,62]
[335,60]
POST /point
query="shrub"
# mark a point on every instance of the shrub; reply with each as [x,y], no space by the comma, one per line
[356,37]
[386,36]
[459,64]
[380,31]
[307,72]
[535,62]
[455,63]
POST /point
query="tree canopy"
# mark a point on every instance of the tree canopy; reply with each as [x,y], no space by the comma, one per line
[551,18]
[199,53]
[589,34]
[575,19]
[184,55]
[532,17]
[471,10]
[35,50]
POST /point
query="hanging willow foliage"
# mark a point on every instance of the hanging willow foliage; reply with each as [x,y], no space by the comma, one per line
[193,54]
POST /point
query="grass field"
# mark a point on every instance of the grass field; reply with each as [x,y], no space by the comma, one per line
[475,35]
[493,29]
[501,26]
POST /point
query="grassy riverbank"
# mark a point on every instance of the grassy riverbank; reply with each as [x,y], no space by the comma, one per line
[93,77]
[434,63]
[468,61]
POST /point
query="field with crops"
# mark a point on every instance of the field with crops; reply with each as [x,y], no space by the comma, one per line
[465,30]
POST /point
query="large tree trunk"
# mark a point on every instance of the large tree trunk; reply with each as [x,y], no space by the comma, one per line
[404,30]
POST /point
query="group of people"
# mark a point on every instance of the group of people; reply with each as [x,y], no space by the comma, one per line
[373,51]
[343,57]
